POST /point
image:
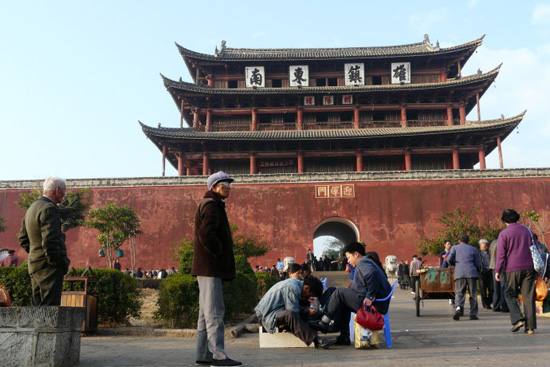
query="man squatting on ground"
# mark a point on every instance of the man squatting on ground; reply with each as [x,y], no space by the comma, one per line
[213,262]
[369,284]
[42,238]
[280,307]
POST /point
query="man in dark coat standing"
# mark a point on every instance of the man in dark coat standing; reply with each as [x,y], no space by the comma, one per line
[42,238]
[213,263]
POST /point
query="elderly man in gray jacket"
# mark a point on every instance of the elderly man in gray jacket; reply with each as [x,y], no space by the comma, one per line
[467,263]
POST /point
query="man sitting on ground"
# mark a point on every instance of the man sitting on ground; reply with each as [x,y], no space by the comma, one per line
[280,307]
[369,284]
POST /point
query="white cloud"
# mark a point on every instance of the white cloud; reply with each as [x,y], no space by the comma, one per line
[541,14]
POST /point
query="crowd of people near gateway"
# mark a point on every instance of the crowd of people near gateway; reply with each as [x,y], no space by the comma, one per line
[299,304]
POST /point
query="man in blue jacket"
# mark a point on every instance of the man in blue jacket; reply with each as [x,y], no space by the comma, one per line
[467,263]
[369,283]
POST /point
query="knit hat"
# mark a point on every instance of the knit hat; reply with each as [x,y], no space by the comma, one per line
[217,177]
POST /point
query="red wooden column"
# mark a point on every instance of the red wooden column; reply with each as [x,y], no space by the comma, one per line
[481,158]
[462,111]
[408,163]
[254,125]
[208,120]
[443,76]
[450,115]
[500,152]
[300,162]
[164,160]
[252,163]
[403,116]
[478,108]
[359,159]
[456,162]
[300,118]
[181,114]
[196,121]
[210,79]
[205,164]
[180,164]
[459,69]
[356,117]
[188,172]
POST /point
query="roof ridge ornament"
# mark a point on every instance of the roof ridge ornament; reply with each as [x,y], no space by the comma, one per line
[429,45]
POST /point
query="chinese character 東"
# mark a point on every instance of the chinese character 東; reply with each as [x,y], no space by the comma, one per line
[299,73]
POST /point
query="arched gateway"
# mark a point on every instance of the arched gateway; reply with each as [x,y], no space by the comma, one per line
[340,228]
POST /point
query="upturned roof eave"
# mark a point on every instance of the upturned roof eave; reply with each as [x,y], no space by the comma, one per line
[336,134]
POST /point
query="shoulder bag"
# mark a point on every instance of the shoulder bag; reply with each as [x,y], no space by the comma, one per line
[540,266]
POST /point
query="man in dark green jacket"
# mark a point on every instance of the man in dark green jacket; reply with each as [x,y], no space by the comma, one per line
[213,263]
[42,238]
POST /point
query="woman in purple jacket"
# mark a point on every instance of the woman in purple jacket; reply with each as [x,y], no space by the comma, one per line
[514,258]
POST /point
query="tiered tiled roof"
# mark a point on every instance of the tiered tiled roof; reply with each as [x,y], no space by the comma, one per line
[450,83]
[335,134]
[347,53]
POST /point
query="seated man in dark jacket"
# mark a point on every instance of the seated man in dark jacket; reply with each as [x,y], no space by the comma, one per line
[369,284]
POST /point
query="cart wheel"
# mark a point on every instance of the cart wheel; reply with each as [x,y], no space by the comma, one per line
[417,297]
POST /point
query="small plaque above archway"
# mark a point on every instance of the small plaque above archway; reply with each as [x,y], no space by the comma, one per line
[334,191]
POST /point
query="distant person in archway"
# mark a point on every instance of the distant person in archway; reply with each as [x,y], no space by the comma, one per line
[309,259]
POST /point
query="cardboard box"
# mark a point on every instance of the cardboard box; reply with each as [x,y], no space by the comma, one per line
[280,340]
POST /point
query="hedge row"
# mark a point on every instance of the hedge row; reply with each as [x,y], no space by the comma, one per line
[178,303]
[118,293]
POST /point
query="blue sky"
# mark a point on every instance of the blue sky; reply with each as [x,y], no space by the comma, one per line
[76,76]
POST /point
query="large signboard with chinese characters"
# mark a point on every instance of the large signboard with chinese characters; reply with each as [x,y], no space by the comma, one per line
[255,76]
[332,191]
[355,74]
[400,72]
[299,75]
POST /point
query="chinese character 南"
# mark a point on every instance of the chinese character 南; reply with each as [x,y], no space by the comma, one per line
[256,78]
[354,74]
[298,74]
[400,73]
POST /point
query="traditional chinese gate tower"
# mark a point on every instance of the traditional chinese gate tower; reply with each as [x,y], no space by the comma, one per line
[253,111]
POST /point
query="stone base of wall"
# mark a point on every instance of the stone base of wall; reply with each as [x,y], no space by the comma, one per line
[40,336]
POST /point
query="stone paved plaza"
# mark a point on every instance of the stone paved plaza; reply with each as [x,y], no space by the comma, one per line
[434,339]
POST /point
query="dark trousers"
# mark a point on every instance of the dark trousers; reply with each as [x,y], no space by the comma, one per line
[47,285]
[342,303]
[414,279]
[293,323]
[523,282]
[460,297]
[498,294]
[486,288]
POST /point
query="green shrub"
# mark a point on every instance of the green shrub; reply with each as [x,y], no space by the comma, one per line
[18,283]
[178,302]
[264,281]
[242,265]
[239,295]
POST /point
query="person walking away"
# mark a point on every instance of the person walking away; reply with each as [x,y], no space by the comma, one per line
[213,263]
[467,264]
[514,258]
[42,238]
[486,276]
[415,266]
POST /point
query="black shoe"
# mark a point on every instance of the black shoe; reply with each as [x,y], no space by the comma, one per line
[518,325]
[319,326]
[225,362]
[474,317]
[323,343]
[457,315]
[203,363]
[343,340]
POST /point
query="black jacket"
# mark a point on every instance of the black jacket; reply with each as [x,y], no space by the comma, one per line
[213,251]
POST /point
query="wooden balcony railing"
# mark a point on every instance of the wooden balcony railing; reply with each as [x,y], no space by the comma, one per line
[324,125]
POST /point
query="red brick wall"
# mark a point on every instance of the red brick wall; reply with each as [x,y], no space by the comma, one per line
[390,215]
